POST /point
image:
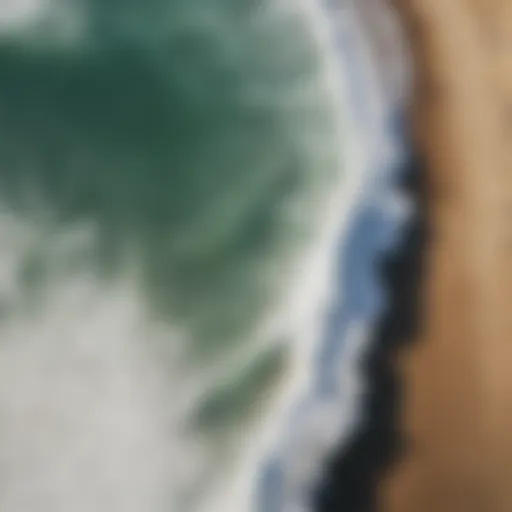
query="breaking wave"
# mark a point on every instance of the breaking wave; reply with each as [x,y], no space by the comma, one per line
[178,180]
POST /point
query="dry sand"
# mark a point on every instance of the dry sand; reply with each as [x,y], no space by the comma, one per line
[457,380]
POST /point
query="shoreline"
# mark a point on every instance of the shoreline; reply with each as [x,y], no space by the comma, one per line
[374,222]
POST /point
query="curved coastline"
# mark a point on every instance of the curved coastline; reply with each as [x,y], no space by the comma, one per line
[327,413]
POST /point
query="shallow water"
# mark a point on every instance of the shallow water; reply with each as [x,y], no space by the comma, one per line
[174,177]
[327,411]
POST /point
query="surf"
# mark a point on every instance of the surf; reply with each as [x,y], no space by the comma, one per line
[171,179]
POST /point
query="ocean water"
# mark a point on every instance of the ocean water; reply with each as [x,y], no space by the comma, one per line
[180,181]
[374,61]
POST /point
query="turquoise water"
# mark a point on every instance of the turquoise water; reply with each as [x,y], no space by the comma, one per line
[165,167]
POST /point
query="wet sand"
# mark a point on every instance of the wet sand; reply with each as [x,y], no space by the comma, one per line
[456,380]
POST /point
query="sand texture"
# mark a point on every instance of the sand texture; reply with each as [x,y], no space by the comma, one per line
[456,379]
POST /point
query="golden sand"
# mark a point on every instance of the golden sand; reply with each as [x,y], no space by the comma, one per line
[457,378]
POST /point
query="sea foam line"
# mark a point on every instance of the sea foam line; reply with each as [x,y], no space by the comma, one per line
[326,414]
[299,315]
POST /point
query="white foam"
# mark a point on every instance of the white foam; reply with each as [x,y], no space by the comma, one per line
[305,440]
[90,418]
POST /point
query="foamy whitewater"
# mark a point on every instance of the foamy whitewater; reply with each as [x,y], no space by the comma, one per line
[192,197]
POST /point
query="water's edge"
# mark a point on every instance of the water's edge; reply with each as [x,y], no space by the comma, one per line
[353,470]
[329,413]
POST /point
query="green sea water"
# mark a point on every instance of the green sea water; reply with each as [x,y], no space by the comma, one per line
[163,165]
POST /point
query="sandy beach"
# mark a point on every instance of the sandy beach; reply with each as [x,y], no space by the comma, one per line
[456,382]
